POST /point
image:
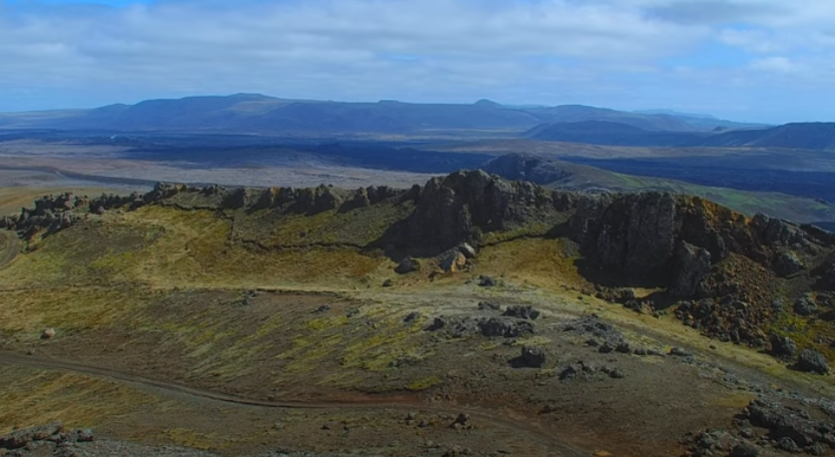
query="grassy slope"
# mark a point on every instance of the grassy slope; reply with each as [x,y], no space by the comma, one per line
[170,283]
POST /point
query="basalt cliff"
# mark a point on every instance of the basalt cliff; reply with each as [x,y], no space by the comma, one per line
[732,277]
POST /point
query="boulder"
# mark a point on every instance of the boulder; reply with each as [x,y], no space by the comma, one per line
[407,265]
[522,312]
[487,281]
[412,317]
[489,306]
[783,347]
[692,265]
[805,306]
[787,263]
[745,450]
[533,357]
[778,232]
[468,251]
[811,361]
[20,438]
[791,423]
[508,328]
[452,261]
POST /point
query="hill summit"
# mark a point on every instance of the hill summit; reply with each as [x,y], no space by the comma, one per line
[706,259]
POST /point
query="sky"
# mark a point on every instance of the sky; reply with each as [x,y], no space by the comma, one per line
[749,60]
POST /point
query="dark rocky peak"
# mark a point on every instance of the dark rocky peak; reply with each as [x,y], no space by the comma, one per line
[529,167]
[450,209]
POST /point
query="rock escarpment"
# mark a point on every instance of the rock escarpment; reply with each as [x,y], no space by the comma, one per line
[719,268]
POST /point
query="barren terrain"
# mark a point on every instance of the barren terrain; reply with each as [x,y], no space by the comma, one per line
[249,331]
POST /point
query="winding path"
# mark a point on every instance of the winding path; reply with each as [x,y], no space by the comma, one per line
[9,248]
[531,433]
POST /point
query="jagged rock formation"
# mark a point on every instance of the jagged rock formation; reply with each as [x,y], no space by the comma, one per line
[719,265]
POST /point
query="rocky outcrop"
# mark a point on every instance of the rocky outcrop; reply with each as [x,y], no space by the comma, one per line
[790,423]
[450,209]
[717,267]
[460,327]
[783,347]
[533,357]
[827,273]
[812,362]
[691,266]
[20,438]
[452,261]
[407,265]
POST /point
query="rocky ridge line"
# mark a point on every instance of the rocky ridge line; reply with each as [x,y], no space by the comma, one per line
[720,266]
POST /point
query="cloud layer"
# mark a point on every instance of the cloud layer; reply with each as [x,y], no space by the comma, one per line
[747,59]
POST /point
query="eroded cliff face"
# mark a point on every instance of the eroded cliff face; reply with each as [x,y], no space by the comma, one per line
[719,263]
[457,208]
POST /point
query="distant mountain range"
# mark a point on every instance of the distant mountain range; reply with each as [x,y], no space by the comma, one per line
[259,114]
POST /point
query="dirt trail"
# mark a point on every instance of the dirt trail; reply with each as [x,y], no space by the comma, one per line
[9,248]
[532,433]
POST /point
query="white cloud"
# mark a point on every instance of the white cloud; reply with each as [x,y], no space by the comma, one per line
[551,51]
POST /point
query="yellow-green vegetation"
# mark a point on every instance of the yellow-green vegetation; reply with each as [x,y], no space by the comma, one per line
[542,262]
[188,438]
[807,333]
[424,383]
[358,227]
[27,311]
[526,231]
[33,398]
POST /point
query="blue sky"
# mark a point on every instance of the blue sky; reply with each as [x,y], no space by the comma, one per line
[753,60]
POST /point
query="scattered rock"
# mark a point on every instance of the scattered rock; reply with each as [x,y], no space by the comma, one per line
[614,373]
[787,263]
[388,283]
[805,306]
[507,328]
[407,265]
[452,261]
[789,423]
[412,317]
[606,348]
[787,444]
[745,450]
[48,334]
[487,281]
[811,361]
[693,263]
[20,438]
[522,312]
[459,327]
[468,251]
[783,347]
[679,352]
[595,327]
[533,357]
[588,371]
[322,309]
[489,306]
[461,422]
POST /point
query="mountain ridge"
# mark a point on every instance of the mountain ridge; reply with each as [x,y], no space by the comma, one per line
[261,113]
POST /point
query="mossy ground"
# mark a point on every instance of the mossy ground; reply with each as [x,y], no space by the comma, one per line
[163,292]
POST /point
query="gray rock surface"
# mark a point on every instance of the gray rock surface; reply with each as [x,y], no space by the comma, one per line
[812,362]
[533,357]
